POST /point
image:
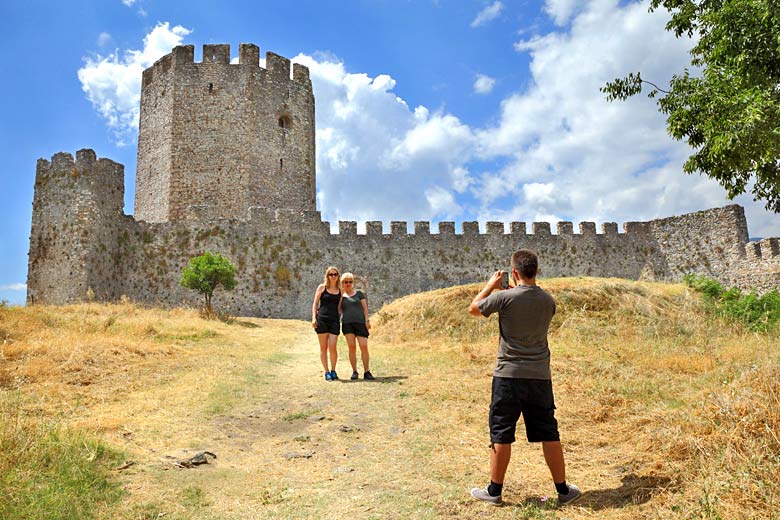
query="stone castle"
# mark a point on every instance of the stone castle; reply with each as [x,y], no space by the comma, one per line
[226,163]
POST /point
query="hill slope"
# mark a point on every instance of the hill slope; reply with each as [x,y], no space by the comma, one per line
[664,412]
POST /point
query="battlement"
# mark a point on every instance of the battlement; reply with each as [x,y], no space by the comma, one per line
[764,249]
[492,228]
[86,164]
[183,56]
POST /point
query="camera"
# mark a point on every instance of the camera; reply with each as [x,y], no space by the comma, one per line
[505,280]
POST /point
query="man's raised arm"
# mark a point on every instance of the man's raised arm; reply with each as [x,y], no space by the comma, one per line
[492,284]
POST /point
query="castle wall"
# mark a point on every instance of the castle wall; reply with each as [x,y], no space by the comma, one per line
[224,137]
[758,268]
[81,240]
[226,163]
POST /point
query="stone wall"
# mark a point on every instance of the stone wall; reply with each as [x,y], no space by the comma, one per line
[80,239]
[77,212]
[217,138]
[220,143]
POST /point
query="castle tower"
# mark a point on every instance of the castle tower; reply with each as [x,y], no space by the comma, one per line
[77,213]
[217,138]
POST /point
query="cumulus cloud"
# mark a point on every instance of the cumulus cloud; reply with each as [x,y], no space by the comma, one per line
[488,14]
[483,84]
[561,10]
[113,83]
[128,3]
[379,159]
[14,287]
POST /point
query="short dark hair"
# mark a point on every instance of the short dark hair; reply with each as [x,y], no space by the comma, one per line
[526,262]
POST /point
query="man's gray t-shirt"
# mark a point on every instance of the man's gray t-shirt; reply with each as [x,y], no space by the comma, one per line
[524,315]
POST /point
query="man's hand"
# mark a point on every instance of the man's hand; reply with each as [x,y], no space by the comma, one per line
[492,284]
[495,281]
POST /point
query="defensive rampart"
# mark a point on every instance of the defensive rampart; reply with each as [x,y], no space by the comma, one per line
[81,240]
[219,143]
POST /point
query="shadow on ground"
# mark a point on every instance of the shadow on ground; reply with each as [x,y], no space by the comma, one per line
[634,489]
[383,379]
[247,324]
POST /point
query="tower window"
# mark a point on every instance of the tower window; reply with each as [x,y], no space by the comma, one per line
[285,122]
[211,87]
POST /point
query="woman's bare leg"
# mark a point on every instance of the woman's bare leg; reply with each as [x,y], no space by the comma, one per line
[352,351]
[323,339]
[334,354]
[363,352]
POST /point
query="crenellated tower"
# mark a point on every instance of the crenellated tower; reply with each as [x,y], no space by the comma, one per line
[217,138]
[77,212]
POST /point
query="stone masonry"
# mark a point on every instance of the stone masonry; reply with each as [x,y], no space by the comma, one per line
[226,164]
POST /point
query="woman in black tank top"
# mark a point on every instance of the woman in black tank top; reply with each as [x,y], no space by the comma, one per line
[325,319]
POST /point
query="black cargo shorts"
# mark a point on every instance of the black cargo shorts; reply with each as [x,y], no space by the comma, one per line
[531,398]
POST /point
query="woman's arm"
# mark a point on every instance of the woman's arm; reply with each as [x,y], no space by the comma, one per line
[341,298]
[315,305]
[364,302]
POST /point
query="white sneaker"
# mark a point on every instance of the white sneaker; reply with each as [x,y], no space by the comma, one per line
[483,495]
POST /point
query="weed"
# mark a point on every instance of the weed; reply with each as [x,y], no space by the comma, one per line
[193,497]
[757,313]
[298,415]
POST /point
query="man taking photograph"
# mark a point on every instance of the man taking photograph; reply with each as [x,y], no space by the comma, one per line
[521,380]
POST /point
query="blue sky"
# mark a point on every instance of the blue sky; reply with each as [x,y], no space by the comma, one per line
[450,109]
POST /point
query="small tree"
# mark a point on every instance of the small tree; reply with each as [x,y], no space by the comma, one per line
[206,272]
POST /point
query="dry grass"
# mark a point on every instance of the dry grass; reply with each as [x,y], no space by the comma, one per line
[656,401]
[664,413]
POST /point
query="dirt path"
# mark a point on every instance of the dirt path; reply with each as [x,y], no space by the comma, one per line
[288,443]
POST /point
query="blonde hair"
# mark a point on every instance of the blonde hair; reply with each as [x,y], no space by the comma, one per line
[338,278]
[347,275]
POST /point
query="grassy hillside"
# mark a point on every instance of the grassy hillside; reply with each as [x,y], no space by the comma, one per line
[665,412]
[648,385]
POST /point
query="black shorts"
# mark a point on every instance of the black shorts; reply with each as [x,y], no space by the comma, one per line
[533,398]
[358,329]
[326,325]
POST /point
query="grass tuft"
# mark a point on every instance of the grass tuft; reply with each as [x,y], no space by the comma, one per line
[51,472]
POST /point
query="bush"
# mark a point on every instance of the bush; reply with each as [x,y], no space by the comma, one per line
[757,313]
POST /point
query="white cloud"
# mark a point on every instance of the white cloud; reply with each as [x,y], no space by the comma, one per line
[561,10]
[487,14]
[103,39]
[14,287]
[128,3]
[442,202]
[484,84]
[378,159]
[113,83]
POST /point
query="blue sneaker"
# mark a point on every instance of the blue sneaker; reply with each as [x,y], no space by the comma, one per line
[334,376]
[328,377]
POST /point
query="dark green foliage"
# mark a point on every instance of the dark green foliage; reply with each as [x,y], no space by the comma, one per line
[757,313]
[207,271]
[730,112]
